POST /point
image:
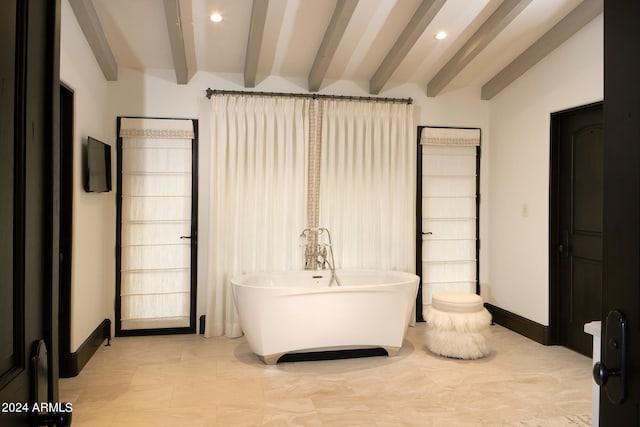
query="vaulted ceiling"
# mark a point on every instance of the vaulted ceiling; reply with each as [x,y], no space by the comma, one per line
[383,43]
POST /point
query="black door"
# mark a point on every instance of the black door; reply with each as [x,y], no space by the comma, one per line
[620,400]
[29,47]
[150,257]
[577,144]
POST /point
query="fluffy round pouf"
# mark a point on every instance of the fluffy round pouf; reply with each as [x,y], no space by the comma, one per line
[457,325]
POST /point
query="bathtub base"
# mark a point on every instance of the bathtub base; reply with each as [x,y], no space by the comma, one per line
[272,359]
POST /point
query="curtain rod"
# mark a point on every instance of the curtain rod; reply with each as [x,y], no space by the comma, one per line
[211,92]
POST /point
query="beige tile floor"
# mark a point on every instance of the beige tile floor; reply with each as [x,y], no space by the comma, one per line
[188,380]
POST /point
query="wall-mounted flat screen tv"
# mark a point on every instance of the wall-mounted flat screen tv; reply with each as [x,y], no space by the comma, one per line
[98,170]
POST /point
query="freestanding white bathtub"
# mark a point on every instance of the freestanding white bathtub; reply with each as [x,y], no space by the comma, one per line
[297,311]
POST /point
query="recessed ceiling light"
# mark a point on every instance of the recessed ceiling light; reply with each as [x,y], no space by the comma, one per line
[216,17]
[441,35]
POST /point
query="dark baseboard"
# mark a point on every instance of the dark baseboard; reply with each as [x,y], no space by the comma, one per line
[530,329]
[72,363]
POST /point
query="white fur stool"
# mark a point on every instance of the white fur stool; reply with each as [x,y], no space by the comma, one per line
[457,325]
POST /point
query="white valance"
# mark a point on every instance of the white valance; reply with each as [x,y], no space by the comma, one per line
[156,128]
[450,136]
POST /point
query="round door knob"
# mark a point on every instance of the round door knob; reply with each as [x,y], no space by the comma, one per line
[601,374]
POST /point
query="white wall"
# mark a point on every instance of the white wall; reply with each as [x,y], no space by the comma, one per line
[154,93]
[93,263]
[570,76]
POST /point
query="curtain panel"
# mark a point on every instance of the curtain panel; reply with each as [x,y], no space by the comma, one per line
[257,203]
[367,183]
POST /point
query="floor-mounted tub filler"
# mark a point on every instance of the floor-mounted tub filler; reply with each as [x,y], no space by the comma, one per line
[305,311]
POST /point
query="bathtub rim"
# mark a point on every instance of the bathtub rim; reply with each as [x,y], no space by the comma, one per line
[240,280]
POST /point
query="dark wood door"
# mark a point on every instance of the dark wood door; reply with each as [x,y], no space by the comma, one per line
[67,367]
[29,47]
[621,218]
[578,134]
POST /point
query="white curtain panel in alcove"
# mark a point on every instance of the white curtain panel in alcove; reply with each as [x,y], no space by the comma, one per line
[367,183]
[257,203]
[156,212]
[449,210]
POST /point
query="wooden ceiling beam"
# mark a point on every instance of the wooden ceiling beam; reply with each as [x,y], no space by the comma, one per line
[93,32]
[332,36]
[423,16]
[497,22]
[254,43]
[584,13]
[178,38]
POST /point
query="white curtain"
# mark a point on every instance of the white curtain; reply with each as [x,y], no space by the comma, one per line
[257,203]
[155,289]
[368,183]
